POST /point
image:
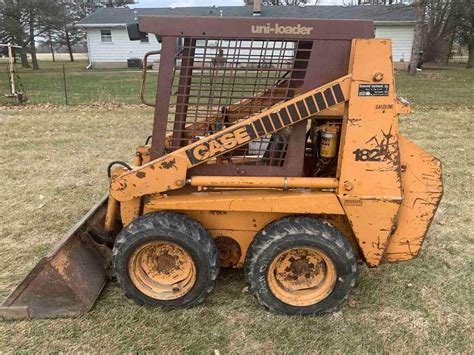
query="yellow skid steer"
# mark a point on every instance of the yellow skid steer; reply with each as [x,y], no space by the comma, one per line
[275,148]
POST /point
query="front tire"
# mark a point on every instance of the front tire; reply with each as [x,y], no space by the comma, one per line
[300,265]
[165,259]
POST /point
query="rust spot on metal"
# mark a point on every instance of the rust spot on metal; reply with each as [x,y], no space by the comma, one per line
[356,122]
[122,186]
[229,251]
[169,164]
[162,270]
[164,263]
[301,276]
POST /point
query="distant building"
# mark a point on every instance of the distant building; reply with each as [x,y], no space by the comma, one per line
[108,44]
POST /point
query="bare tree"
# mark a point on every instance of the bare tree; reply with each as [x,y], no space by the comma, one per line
[445,21]
[50,43]
[13,28]
[22,21]
[65,33]
[420,7]
[465,29]
[442,18]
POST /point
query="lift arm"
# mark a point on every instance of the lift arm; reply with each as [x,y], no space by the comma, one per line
[169,172]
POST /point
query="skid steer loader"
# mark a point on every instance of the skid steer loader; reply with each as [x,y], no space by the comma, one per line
[275,148]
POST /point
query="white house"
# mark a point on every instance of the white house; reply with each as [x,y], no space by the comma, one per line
[109,46]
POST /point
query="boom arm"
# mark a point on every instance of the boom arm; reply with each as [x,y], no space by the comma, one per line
[169,172]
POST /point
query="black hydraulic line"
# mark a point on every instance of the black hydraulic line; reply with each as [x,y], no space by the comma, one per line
[109,168]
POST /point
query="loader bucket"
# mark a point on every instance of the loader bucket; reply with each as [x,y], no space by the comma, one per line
[69,279]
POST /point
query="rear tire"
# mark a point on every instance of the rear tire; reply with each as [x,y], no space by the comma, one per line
[300,265]
[165,259]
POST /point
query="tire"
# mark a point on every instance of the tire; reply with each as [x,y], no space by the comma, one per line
[300,240]
[155,247]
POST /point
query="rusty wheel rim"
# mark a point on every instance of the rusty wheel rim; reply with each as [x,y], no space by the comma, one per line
[162,270]
[301,276]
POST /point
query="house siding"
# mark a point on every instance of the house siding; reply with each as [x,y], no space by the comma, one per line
[119,50]
[402,40]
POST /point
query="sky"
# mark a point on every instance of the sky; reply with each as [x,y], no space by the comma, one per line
[183,3]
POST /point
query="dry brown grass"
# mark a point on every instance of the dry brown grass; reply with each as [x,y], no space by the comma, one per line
[53,169]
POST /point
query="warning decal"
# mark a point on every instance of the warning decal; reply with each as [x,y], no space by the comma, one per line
[374,89]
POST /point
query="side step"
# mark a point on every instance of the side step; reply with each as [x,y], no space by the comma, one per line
[68,280]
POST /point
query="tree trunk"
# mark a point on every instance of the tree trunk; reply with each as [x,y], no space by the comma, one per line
[68,45]
[438,49]
[416,48]
[51,47]
[34,59]
[24,59]
[449,47]
[470,60]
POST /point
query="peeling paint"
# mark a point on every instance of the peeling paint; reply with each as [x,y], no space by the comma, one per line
[168,164]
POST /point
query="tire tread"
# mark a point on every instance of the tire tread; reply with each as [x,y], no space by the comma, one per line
[280,229]
[167,221]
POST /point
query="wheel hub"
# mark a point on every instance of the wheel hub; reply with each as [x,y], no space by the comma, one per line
[162,270]
[301,276]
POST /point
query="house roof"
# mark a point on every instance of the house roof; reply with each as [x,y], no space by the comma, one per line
[377,13]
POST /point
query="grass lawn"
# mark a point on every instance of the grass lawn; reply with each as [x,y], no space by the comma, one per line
[85,86]
[54,160]
[46,86]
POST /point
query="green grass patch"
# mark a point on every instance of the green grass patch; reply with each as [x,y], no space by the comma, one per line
[449,88]
[87,86]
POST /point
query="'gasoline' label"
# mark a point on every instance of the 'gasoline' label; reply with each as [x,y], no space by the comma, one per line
[373,89]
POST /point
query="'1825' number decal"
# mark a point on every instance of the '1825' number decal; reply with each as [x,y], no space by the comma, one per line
[368,154]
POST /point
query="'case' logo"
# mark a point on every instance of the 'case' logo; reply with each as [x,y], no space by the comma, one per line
[218,145]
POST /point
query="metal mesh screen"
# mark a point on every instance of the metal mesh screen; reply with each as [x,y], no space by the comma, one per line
[220,82]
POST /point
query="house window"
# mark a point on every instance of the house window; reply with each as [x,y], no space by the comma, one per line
[105,35]
[145,39]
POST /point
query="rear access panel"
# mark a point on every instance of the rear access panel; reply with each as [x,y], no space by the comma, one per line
[422,191]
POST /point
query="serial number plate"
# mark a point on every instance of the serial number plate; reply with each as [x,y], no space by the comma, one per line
[374,89]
